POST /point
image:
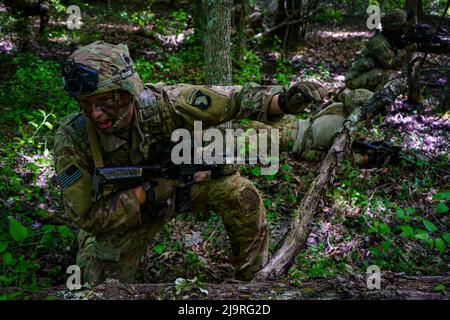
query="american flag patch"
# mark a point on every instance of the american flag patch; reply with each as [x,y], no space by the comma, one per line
[69,176]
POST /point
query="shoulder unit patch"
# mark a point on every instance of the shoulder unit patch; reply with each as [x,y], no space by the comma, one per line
[198,99]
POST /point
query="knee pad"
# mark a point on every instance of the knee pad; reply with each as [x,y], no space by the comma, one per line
[317,133]
[249,199]
[353,99]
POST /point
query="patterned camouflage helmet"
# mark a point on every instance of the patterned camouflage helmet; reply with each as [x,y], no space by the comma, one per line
[100,67]
[395,20]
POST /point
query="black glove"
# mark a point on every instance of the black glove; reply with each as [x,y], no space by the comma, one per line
[160,197]
[299,95]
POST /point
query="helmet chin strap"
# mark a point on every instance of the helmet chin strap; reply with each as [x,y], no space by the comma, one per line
[118,118]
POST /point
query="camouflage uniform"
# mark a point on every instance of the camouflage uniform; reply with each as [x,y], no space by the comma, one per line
[374,66]
[378,62]
[115,230]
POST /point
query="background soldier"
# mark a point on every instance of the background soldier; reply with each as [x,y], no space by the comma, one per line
[383,56]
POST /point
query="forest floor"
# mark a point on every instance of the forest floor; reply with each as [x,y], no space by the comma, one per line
[394,216]
[393,286]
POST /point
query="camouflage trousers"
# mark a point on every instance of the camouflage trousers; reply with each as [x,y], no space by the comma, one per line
[235,198]
[373,80]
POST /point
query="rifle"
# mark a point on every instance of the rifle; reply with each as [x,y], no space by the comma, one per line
[383,152]
[115,179]
[426,40]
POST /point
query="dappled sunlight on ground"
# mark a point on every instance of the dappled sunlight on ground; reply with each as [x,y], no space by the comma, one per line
[428,133]
[343,34]
[6,45]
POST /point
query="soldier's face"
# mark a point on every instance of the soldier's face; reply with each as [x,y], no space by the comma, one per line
[100,108]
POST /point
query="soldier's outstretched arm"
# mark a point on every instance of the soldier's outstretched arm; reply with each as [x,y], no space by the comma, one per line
[217,104]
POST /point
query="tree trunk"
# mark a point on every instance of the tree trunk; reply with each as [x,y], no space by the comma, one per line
[444,105]
[201,9]
[218,42]
[353,7]
[415,7]
[414,80]
[240,24]
[289,15]
[296,237]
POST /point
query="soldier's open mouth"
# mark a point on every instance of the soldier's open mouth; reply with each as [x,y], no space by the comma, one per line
[104,124]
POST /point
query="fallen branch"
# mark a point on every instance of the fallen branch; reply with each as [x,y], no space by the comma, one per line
[296,238]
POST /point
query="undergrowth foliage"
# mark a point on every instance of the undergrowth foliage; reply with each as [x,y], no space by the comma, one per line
[396,217]
[34,247]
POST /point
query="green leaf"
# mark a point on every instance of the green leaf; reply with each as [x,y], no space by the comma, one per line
[256,171]
[423,236]
[64,231]
[159,248]
[440,245]
[372,229]
[418,230]
[384,228]
[245,122]
[17,230]
[446,237]
[8,259]
[409,210]
[48,228]
[267,203]
[440,288]
[402,215]
[3,246]
[407,231]
[429,225]
[442,196]
[441,208]
[386,244]
[32,166]
[375,251]
[48,125]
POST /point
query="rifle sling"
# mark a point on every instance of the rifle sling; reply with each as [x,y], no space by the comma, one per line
[96,152]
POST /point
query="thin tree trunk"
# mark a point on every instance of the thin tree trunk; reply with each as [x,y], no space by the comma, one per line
[201,9]
[416,8]
[353,7]
[414,80]
[444,105]
[240,24]
[411,6]
[289,11]
[218,42]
